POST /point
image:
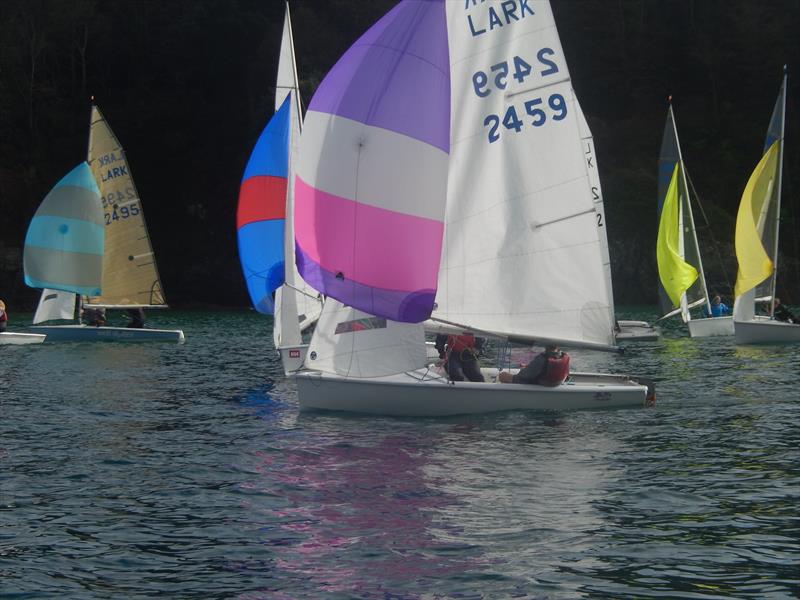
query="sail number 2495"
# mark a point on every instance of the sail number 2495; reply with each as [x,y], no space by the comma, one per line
[122,212]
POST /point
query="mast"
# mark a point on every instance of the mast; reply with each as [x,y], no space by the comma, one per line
[774,279]
[294,69]
[79,297]
[691,218]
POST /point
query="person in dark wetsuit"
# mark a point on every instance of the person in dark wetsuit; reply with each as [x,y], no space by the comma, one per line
[549,368]
[3,316]
[95,317]
[137,318]
[781,313]
[461,356]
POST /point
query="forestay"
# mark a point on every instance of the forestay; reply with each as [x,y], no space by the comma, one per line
[523,255]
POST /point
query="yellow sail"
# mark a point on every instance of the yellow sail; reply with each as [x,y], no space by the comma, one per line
[130,277]
[754,262]
[675,273]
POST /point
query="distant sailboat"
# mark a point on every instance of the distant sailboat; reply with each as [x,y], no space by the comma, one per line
[680,268]
[129,275]
[382,177]
[265,222]
[15,338]
[757,229]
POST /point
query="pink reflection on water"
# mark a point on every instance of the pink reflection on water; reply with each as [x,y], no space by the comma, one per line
[366,515]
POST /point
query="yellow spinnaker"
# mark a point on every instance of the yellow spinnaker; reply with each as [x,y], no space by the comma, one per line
[754,263]
[675,273]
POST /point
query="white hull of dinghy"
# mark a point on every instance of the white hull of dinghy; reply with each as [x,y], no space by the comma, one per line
[88,333]
[636,331]
[766,331]
[424,394]
[292,357]
[17,339]
[710,327]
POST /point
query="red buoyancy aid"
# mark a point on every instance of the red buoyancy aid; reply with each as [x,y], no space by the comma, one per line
[3,316]
[556,371]
[459,343]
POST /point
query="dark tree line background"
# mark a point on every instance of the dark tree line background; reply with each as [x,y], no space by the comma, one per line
[187,86]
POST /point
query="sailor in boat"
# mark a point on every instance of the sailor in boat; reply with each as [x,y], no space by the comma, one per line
[96,317]
[460,355]
[549,368]
[3,316]
[781,313]
[136,316]
[718,308]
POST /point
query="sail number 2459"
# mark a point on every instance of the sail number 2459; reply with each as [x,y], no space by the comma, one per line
[541,109]
[535,107]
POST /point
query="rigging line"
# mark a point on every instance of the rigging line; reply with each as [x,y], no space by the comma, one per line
[710,230]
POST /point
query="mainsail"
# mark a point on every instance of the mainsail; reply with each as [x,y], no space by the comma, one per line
[64,243]
[130,276]
[680,268]
[523,255]
[756,237]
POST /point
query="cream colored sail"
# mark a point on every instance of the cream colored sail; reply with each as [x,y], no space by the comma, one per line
[130,276]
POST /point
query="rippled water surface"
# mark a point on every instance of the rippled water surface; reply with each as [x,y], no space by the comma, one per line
[133,471]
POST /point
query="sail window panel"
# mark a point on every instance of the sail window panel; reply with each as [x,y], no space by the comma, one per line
[363,324]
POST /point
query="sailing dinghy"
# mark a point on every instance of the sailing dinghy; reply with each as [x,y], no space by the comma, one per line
[264,219]
[757,228]
[682,282]
[18,338]
[129,275]
[393,176]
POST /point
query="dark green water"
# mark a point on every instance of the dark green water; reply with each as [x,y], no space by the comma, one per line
[136,471]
